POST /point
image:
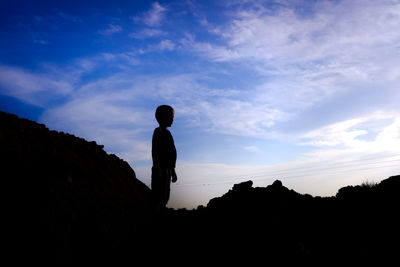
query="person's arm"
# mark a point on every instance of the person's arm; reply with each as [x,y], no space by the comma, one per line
[174,176]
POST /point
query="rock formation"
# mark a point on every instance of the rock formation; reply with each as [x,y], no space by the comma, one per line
[67,195]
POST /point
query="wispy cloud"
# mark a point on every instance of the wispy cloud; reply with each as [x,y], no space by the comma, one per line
[337,48]
[236,117]
[112,29]
[336,39]
[332,30]
[379,132]
[69,17]
[166,45]
[110,111]
[147,33]
[154,16]
[40,41]
[252,148]
[214,52]
[33,88]
[95,116]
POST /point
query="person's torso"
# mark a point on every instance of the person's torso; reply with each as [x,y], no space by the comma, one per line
[163,148]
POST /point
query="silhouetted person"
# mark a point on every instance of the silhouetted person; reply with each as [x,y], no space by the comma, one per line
[164,157]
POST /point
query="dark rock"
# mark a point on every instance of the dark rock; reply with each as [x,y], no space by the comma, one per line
[277,184]
[242,186]
[67,196]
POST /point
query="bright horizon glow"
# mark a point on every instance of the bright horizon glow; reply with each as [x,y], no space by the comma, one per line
[306,92]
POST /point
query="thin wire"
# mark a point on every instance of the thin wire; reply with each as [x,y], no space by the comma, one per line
[313,169]
[230,181]
[289,171]
[343,164]
[342,171]
[331,165]
[298,169]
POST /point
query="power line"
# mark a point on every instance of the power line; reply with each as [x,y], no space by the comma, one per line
[342,171]
[261,179]
[307,171]
[331,166]
[315,169]
[304,170]
[300,169]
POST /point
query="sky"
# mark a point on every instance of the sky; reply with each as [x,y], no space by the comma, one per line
[306,92]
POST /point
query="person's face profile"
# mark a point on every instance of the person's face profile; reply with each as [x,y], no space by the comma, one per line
[171,119]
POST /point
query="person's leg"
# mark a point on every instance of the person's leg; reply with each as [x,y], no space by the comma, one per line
[157,189]
[167,187]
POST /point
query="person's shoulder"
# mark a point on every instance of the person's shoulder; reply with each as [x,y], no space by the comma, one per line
[161,132]
[156,131]
[167,132]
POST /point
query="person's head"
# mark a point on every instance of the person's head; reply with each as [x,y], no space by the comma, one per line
[165,115]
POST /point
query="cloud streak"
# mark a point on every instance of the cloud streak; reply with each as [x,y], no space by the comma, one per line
[154,16]
[383,131]
[112,29]
[337,48]
[147,33]
[33,88]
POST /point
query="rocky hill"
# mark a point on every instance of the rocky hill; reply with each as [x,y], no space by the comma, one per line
[66,195]
[275,223]
[68,201]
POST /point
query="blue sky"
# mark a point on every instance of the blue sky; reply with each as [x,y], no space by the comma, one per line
[302,91]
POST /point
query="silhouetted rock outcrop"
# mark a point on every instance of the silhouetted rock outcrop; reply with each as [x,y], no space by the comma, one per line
[66,195]
[277,223]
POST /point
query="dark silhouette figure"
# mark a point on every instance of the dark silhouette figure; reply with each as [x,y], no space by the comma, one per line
[164,157]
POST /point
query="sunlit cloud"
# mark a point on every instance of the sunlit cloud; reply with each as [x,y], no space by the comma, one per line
[376,133]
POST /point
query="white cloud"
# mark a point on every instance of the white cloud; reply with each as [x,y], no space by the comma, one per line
[348,134]
[162,46]
[338,48]
[147,33]
[236,117]
[154,16]
[166,45]
[53,82]
[217,53]
[225,111]
[30,87]
[112,28]
[252,148]
[333,30]
[112,119]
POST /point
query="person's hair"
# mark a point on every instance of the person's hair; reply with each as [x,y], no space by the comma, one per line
[163,112]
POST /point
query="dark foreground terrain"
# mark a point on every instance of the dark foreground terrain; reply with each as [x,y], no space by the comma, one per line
[67,201]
